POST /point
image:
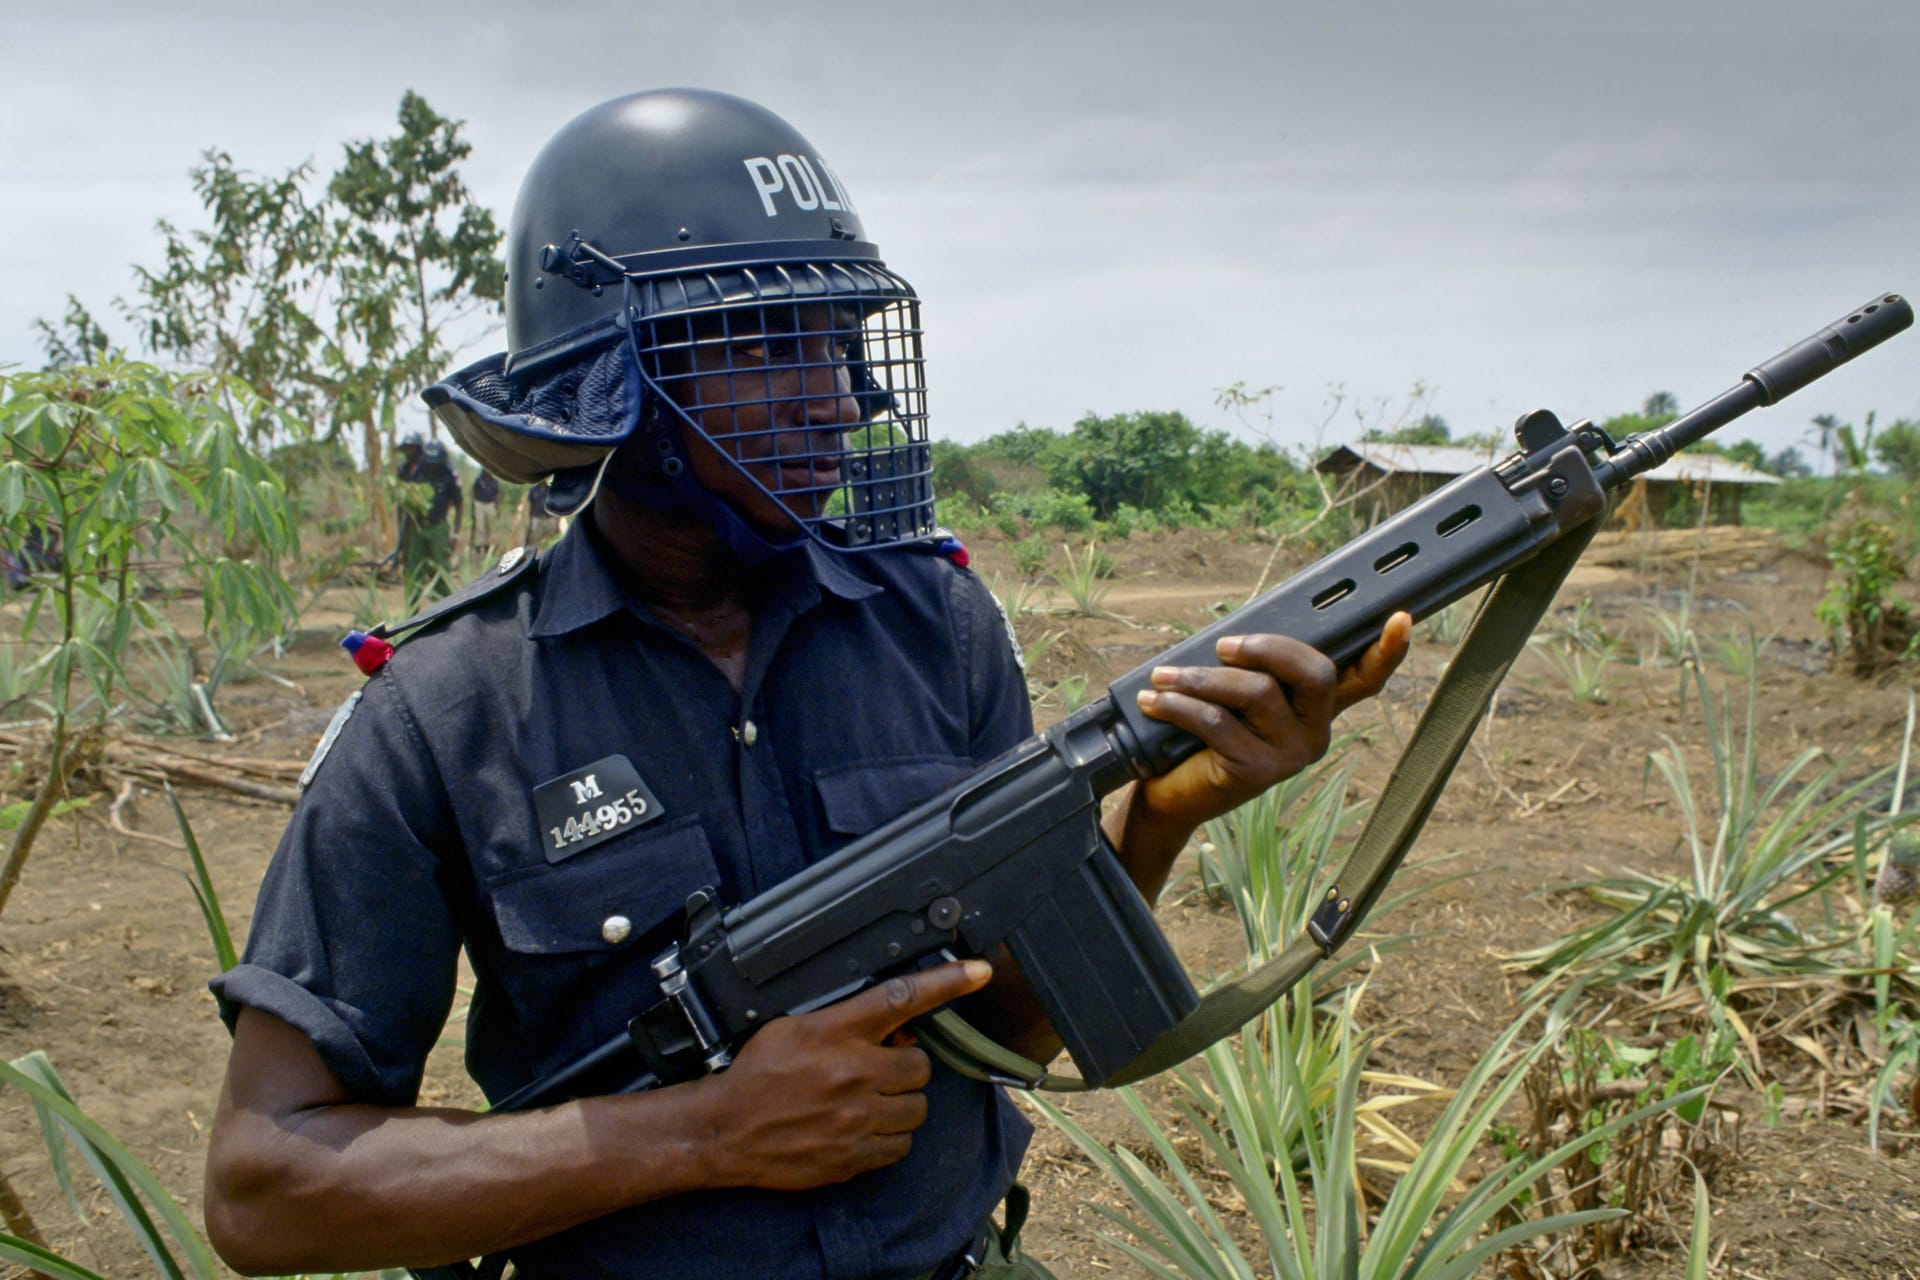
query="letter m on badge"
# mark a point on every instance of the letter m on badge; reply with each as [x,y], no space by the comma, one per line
[585,789]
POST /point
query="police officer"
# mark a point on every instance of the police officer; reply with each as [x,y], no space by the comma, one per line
[749,649]
[427,525]
[486,495]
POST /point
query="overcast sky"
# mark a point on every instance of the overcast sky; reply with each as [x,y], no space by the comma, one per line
[1115,206]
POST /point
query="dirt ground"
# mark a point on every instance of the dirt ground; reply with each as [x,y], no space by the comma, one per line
[104,960]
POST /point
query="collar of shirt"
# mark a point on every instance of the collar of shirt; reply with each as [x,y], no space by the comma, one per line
[580,587]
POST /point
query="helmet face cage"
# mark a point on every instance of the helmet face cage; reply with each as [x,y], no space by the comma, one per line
[807,380]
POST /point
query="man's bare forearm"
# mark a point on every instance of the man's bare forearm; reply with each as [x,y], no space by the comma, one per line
[302,1178]
[348,1186]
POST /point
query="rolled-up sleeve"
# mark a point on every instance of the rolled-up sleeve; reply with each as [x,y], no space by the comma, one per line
[356,933]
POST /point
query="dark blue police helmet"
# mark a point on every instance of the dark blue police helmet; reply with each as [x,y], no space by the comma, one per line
[685,258]
[665,184]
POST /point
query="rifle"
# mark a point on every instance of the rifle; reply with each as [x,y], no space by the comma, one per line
[1014,852]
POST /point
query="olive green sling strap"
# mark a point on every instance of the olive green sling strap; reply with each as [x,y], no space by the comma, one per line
[1499,631]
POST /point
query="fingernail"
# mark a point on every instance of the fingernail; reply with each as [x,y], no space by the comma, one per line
[1228,646]
[1147,699]
[979,970]
[1166,677]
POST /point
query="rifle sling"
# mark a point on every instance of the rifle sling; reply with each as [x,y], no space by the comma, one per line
[1506,618]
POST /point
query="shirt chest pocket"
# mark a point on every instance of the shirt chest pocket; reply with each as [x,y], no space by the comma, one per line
[607,897]
[859,797]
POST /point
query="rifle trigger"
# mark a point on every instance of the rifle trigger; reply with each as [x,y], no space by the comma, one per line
[1332,920]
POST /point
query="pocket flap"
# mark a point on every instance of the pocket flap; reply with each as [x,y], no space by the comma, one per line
[857,798]
[645,877]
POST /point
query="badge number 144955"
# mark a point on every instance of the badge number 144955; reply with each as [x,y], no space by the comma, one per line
[604,819]
[596,802]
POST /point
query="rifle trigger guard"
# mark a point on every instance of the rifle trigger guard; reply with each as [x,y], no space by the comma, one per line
[1331,920]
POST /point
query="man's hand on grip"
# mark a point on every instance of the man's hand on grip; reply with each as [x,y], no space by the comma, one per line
[820,1097]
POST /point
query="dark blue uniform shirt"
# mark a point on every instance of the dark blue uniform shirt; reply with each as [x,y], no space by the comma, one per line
[872,681]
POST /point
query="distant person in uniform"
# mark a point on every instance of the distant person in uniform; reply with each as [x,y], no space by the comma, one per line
[485,495]
[542,516]
[38,552]
[425,548]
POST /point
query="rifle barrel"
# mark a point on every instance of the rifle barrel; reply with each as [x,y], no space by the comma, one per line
[1767,383]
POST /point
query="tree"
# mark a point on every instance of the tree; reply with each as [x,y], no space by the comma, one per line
[244,296]
[1429,428]
[415,256]
[1897,448]
[1789,464]
[1748,453]
[1136,459]
[1849,448]
[1228,471]
[1661,406]
[111,475]
[333,304]
[77,339]
[1028,446]
[1487,442]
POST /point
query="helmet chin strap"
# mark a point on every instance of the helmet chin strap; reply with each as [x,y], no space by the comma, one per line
[567,483]
[680,491]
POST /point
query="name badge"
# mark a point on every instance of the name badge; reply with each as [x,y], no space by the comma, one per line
[591,805]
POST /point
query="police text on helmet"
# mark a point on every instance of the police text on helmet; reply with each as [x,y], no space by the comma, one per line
[807,187]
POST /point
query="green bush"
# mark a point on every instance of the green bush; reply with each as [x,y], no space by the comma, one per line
[960,513]
[1068,512]
[1122,470]
[1030,556]
[1860,612]
[1123,522]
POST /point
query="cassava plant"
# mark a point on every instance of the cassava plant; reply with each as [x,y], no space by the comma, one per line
[1860,612]
[1591,1078]
[130,480]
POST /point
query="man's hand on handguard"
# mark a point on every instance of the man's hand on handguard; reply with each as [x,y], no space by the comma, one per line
[1264,715]
[818,1098]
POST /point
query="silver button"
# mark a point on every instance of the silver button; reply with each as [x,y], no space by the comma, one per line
[510,559]
[615,929]
[749,734]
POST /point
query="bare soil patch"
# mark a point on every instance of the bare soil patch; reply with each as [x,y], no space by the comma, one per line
[103,959]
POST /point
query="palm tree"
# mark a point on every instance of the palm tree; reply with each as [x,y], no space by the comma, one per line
[1828,438]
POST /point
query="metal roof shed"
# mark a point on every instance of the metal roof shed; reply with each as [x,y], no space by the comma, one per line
[1390,476]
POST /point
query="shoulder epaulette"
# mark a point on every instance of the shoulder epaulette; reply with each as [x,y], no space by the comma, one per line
[942,542]
[514,565]
[371,649]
